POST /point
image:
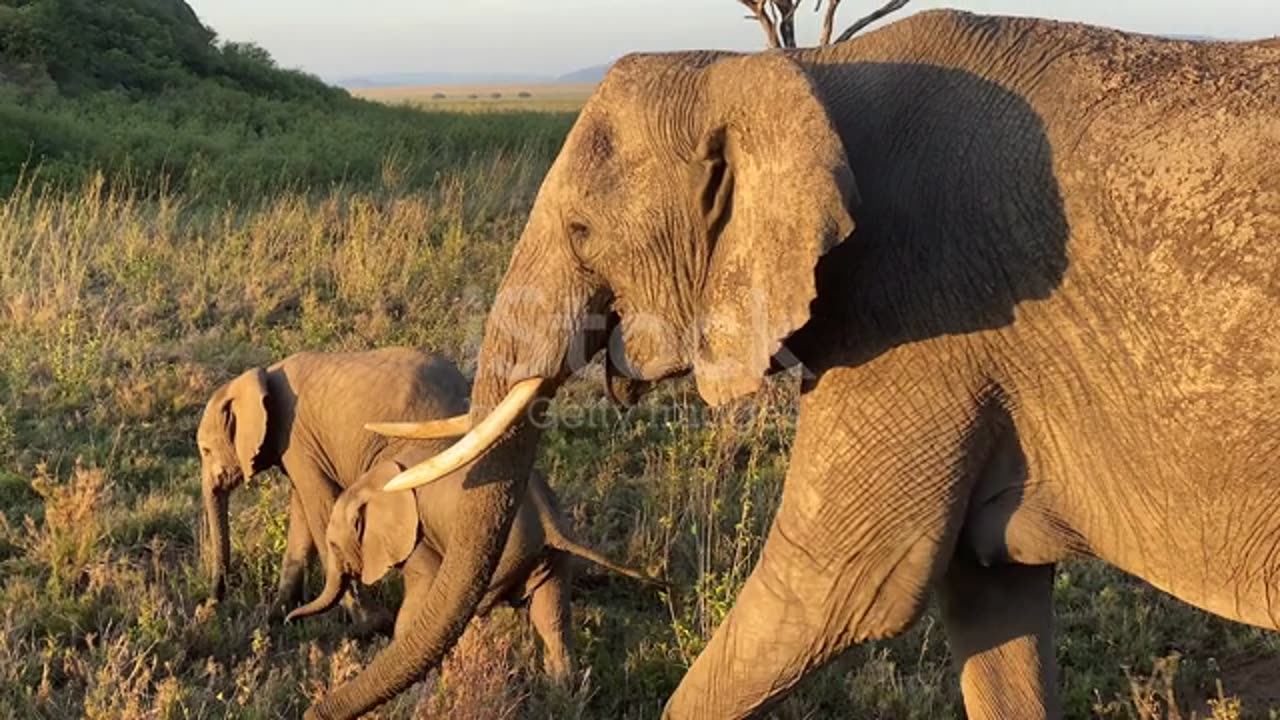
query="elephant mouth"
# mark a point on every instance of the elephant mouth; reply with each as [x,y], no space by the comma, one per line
[642,372]
[622,390]
[621,384]
[224,480]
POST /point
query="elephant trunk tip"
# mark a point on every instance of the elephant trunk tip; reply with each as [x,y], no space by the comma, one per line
[335,584]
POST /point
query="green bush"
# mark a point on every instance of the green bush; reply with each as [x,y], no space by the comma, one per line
[139,89]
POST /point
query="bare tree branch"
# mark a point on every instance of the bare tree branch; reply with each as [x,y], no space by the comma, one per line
[828,21]
[891,7]
[760,11]
[778,19]
[786,11]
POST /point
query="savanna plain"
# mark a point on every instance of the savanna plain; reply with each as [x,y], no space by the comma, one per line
[129,291]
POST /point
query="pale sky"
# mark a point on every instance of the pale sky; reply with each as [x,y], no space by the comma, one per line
[337,39]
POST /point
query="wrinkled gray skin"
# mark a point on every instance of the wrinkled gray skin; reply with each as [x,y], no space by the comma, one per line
[305,415]
[1032,271]
[371,531]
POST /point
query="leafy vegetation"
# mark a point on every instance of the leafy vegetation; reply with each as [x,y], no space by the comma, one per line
[139,89]
[125,300]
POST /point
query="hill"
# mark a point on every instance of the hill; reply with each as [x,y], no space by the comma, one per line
[142,91]
[593,74]
[416,79]
[139,47]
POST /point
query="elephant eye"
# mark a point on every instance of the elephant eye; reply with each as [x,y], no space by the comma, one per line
[579,236]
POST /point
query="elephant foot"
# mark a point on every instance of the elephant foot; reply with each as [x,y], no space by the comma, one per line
[277,614]
[281,606]
[383,625]
[369,620]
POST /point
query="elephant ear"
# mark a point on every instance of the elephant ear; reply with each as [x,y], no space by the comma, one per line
[776,193]
[390,528]
[247,406]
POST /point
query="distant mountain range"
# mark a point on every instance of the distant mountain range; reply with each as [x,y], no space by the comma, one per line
[585,75]
[593,74]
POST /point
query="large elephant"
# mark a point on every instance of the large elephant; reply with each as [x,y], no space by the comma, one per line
[305,415]
[1031,269]
[371,531]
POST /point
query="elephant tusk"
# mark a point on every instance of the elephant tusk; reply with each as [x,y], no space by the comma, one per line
[429,430]
[474,443]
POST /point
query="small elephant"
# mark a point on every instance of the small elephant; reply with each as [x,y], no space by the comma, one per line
[305,415]
[371,531]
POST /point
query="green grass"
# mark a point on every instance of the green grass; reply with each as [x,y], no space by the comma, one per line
[142,91]
[120,310]
[221,145]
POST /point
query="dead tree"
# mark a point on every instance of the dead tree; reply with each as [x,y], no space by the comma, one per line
[778,19]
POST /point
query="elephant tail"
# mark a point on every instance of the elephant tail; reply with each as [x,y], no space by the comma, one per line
[558,537]
[335,583]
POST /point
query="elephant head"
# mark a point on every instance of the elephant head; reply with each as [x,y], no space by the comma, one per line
[695,207]
[231,437]
[369,532]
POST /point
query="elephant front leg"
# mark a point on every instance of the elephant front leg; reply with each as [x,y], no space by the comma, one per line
[297,553]
[999,624]
[870,512]
[419,572]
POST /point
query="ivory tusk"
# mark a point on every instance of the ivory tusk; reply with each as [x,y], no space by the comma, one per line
[474,443]
[428,430]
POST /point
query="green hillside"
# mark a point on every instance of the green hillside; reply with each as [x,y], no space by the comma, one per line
[141,89]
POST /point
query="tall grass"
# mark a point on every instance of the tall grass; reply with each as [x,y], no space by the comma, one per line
[121,309]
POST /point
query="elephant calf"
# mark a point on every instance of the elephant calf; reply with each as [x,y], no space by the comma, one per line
[370,531]
[305,415]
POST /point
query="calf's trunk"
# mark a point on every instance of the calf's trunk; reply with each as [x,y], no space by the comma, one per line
[218,543]
[335,583]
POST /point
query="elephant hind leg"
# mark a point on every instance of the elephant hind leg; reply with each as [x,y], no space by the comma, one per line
[551,615]
[999,625]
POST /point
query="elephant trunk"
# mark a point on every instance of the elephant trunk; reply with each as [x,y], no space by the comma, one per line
[335,583]
[218,542]
[527,335]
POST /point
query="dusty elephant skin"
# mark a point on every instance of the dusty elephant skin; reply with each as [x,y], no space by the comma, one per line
[305,415]
[1032,268]
[371,531]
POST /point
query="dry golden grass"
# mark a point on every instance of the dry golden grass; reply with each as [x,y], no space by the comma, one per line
[119,313]
[545,97]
